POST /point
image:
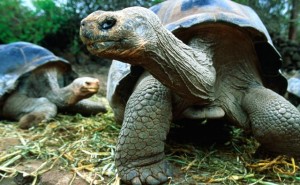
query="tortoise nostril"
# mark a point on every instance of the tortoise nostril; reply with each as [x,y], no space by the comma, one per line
[108,23]
[82,24]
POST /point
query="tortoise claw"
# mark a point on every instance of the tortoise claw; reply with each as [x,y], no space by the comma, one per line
[151,180]
[153,174]
[136,181]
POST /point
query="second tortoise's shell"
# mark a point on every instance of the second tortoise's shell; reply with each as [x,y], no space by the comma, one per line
[182,17]
[20,58]
[294,86]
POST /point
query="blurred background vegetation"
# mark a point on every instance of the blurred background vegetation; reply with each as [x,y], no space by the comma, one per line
[54,24]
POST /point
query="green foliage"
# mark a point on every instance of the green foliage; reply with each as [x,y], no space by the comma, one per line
[21,23]
[12,20]
[273,13]
[274,10]
[49,15]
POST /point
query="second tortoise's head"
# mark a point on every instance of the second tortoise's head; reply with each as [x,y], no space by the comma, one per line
[121,34]
[81,88]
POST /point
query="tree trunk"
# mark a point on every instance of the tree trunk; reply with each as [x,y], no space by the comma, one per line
[293,20]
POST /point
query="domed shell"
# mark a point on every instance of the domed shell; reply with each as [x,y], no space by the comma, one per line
[179,16]
[19,58]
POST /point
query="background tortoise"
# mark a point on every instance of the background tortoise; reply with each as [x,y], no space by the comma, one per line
[224,65]
[34,83]
[293,89]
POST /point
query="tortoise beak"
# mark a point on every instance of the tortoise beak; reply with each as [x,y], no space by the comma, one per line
[91,85]
[88,30]
[97,31]
[95,25]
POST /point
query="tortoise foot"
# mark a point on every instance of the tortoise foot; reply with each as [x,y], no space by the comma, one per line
[31,119]
[153,174]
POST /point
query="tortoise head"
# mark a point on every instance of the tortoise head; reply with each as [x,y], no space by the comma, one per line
[121,34]
[81,88]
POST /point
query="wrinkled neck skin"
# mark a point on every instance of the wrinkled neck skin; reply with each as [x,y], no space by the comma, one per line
[63,97]
[187,71]
[44,82]
[60,96]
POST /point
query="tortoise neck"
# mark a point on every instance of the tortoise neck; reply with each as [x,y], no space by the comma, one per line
[61,97]
[186,71]
[48,76]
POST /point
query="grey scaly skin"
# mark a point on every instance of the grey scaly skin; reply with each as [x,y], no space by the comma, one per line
[39,97]
[215,70]
[140,148]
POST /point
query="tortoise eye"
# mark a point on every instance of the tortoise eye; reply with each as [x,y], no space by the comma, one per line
[108,23]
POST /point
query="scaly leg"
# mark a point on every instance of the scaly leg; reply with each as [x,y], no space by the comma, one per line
[140,148]
[274,121]
[28,111]
[85,107]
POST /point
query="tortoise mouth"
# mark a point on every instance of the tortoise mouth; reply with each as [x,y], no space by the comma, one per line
[101,45]
[90,89]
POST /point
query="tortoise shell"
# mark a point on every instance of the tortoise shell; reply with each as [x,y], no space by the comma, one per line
[183,17]
[20,58]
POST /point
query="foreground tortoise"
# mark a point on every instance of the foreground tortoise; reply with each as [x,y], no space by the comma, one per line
[34,83]
[218,62]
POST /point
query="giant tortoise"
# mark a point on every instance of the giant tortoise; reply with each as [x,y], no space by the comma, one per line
[34,83]
[190,58]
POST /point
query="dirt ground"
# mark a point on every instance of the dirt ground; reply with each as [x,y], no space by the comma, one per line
[79,151]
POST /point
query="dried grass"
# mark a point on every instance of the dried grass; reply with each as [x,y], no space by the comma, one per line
[85,146]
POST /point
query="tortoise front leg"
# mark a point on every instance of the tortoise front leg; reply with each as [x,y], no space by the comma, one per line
[274,121]
[140,148]
[85,107]
[28,111]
